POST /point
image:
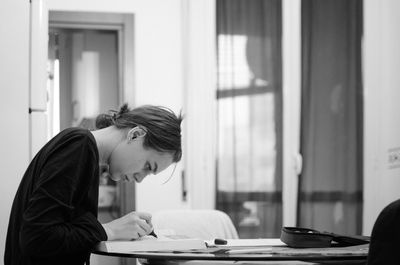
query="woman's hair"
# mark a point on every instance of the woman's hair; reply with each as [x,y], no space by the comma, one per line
[162,126]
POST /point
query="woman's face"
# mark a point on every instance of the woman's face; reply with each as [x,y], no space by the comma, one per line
[131,161]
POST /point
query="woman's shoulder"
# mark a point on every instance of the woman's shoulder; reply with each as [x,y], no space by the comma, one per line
[73,136]
[75,132]
[70,143]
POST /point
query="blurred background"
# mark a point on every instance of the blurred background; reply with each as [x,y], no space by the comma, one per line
[290,105]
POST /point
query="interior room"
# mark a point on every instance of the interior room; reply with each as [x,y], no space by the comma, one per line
[290,106]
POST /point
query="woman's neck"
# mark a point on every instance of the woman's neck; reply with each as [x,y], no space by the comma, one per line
[107,140]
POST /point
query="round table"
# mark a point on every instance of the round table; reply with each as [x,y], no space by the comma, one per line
[288,254]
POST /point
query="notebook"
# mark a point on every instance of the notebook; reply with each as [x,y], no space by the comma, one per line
[150,243]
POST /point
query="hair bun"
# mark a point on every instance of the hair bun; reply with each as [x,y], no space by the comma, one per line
[124,109]
[103,121]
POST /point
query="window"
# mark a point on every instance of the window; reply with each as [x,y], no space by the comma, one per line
[249,155]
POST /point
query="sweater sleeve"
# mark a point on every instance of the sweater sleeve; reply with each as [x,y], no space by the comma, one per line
[51,224]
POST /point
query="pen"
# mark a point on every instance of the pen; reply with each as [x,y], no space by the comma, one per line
[153,234]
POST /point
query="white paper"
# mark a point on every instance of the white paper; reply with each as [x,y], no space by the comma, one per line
[149,243]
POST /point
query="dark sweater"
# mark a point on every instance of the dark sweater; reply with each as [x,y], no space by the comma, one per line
[54,214]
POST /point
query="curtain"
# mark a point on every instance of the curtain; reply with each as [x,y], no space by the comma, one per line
[249,96]
[330,189]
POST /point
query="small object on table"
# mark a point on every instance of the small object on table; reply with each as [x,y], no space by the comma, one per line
[220,241]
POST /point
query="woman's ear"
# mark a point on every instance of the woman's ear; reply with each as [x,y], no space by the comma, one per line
[136,132]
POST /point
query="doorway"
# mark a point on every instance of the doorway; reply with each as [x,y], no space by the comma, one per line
[83,65]
[90,59]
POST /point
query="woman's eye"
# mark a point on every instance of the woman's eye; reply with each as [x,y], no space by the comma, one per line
[148,167]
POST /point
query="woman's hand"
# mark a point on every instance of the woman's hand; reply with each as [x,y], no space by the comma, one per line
[131,226]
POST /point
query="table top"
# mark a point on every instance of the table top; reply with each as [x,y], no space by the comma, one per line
[319,255]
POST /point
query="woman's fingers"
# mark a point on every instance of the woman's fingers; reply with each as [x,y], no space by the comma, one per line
[132,225]
[145,226]
[139,232]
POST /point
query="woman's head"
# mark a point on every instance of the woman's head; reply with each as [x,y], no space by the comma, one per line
[152,141]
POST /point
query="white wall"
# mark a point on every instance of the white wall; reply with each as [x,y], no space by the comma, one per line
[14,93]
[200,126]
[382,108]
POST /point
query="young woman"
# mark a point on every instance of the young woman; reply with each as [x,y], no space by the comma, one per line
[54,214]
